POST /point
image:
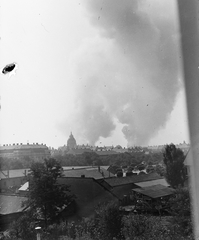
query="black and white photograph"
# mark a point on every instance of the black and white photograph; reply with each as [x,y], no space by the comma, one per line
[99,120]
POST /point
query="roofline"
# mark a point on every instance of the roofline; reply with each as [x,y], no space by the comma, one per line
[95,180]
[131,182]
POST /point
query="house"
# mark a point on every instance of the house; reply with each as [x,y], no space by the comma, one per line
[152,199]
[11,184]
[23,190]
[10,209]
[19,150]
[92,189]
[12,179]
[122,187]
[155,191]
[114,182]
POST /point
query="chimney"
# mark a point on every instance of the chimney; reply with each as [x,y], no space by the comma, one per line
[98,168]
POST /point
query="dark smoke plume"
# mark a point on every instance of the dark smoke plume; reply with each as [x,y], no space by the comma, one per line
[130,72]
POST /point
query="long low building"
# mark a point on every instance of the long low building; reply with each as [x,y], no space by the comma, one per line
[11,209]
[17,151]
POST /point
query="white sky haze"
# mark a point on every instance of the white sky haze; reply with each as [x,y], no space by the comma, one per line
[49,41]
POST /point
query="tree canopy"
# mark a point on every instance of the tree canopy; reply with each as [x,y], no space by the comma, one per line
[46,197]
[175,169]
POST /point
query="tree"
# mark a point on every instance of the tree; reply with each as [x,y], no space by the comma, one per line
[107,222]
[175,169]
[180,209]
[47,198]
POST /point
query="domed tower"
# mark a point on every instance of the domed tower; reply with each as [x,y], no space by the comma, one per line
[71,143]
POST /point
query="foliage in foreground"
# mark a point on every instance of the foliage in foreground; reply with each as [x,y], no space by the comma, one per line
[108,224]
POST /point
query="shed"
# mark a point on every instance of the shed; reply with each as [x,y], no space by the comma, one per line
[155,191]
[10,209]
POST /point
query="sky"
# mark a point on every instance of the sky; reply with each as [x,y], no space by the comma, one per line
[109,71]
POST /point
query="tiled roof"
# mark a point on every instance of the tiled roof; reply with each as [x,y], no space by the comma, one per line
[11,204]
[155,191]
[91,172]
[132,179]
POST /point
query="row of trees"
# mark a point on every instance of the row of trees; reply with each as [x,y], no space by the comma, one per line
[87,159]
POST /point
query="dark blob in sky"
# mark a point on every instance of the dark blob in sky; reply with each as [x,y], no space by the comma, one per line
[9,68]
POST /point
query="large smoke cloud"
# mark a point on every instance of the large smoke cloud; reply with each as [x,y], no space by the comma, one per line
[130,72]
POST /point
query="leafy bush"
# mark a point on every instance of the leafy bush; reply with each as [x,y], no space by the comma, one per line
[22,229]
[142,227]
[180,208]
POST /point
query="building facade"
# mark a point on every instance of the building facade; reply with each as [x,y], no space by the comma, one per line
[17,151]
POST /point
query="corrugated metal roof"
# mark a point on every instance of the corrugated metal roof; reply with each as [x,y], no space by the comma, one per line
[155,191]
[113,182]
[153,182]
[11,204]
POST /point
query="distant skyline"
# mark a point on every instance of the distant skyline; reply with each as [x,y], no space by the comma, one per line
[61,49]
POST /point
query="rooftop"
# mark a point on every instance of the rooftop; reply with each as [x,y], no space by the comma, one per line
[19,146]
[113,182]
[11,204]
[155,191]
[162,181]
